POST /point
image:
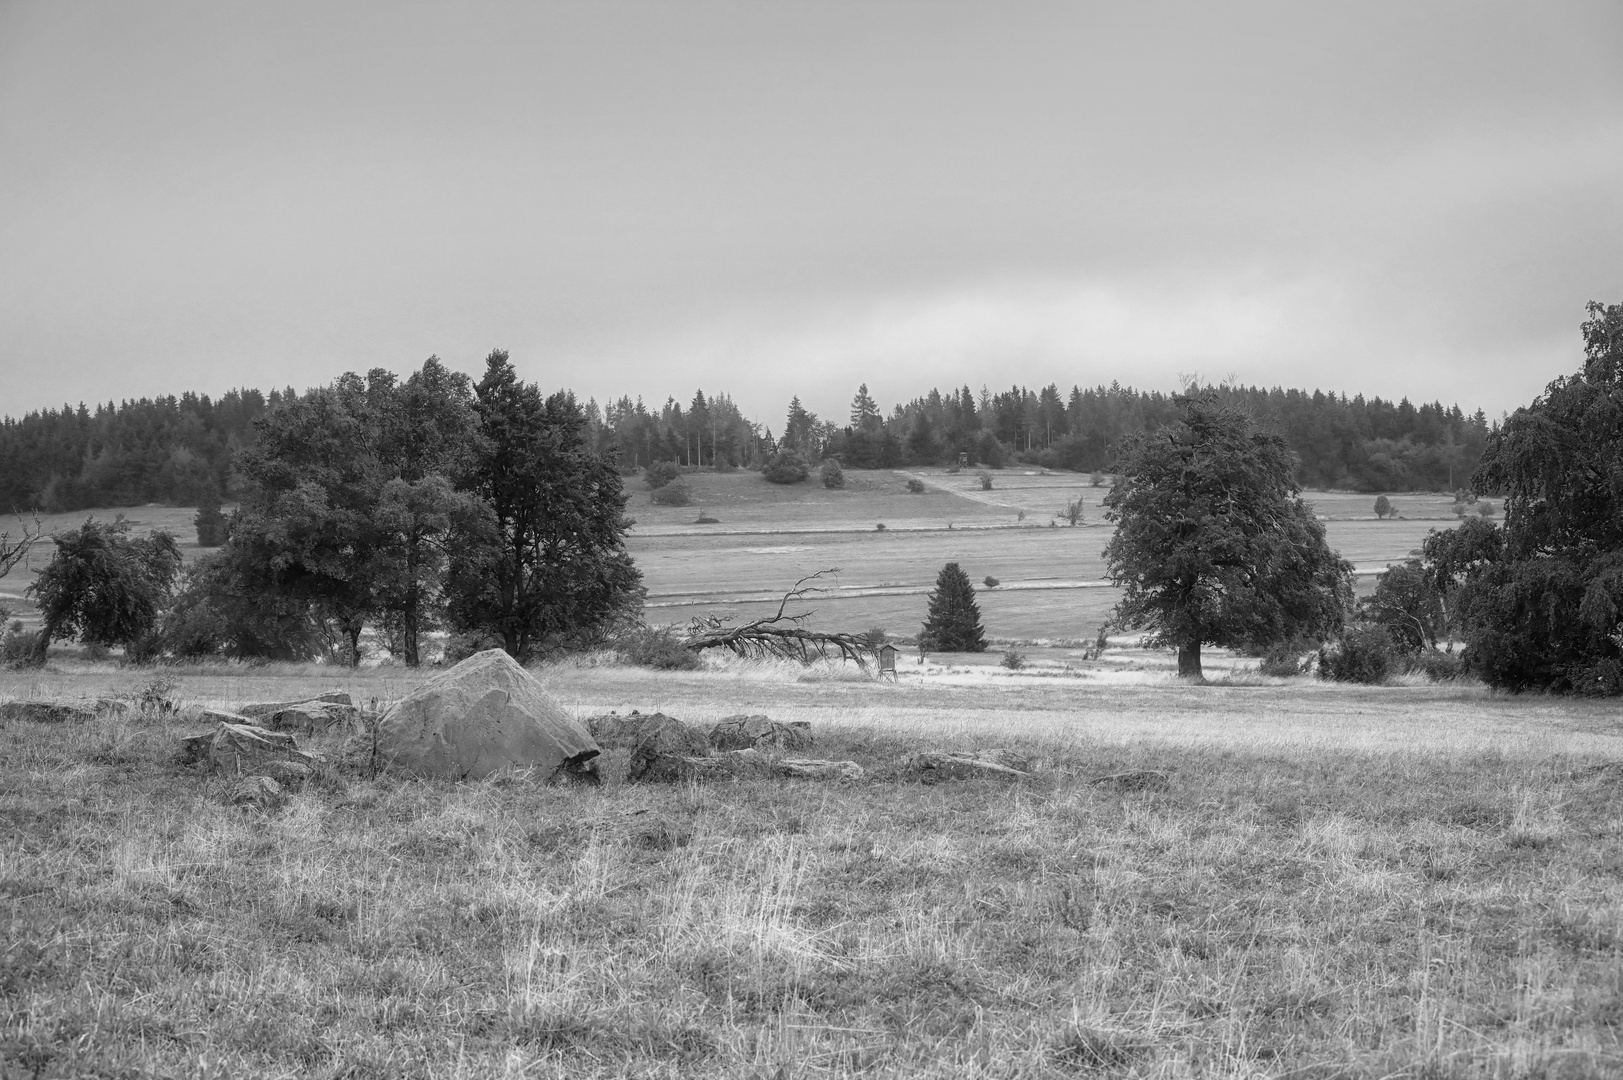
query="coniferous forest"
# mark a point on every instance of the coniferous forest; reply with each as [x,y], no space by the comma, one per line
[180,450]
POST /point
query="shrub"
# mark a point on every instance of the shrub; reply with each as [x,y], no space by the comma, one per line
[656,647]
[1436,665]
[874,636]
[1383,507]
[1073,511]
[1097,479]
[991,582]
[17,646]
[1364,654]
[1486,509]
[705,519]
[879,527]
[1013,661]
[832,475]
[660,473]
[675,493]
[916,486]
[986,480]
[785,467]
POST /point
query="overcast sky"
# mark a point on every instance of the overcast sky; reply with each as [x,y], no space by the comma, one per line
[775,198]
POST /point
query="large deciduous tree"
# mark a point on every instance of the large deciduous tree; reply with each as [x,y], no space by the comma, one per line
[103,585]
[1213,544]
[1544,607]
[953,622]
[546,562]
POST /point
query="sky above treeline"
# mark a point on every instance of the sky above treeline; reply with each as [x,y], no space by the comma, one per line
[768,199]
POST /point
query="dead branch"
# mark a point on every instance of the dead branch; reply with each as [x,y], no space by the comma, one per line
[782,635]
[12,551]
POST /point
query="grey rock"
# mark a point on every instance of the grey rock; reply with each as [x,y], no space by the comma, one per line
[261,711]
[260,791]
[483,716]
[1136,780]
[731,765]
[46,712]
[242,749]
[811,769]
[760,733]
[935,767]
[314,717]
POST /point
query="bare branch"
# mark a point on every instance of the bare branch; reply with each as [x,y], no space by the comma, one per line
[782,635]
[12,551]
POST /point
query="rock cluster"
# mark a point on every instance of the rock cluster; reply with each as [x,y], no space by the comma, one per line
[663,749]
[313,716]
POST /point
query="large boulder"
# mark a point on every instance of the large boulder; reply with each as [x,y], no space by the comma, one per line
[664,733]
[760,733]
[241,749]
[483,716]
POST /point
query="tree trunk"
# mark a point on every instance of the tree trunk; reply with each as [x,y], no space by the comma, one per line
[409,615]
[1189,660]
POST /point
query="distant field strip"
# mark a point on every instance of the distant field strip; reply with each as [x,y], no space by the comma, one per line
[725,596]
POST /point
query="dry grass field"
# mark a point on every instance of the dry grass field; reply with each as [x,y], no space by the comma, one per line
[1337,882]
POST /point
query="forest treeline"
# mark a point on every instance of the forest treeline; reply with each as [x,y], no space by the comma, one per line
[182,450]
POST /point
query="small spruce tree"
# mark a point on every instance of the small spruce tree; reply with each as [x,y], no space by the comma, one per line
[210,521]
[954,620]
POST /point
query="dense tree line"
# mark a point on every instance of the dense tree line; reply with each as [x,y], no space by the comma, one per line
[376,504]
[182,450]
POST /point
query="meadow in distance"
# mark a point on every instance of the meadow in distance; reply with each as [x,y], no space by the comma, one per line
[1336,881]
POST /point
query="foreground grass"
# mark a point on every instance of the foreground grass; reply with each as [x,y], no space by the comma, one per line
[1322,904]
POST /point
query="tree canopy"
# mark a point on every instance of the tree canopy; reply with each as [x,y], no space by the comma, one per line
[1213,544]
[1543,594]
[103,585]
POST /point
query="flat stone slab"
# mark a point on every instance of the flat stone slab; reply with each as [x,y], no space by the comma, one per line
[46,712]
[935,767]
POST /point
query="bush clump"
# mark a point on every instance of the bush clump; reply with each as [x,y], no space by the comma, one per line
[1364,654]
[985,479]
[675,493]
[660,473]
[991,582]
[1436,665]
[656,647]
[785,467]
[17,646]
[832,475]
[916,486]
[1014,661]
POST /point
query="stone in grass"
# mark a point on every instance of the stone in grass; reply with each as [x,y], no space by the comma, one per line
[314,718]
[484,716]
[730,765]
[241,749]
[46,712]
[1135,780]
[811,769]
[260,791]
[263,710]
[934,767]
[760,733]
[615,732]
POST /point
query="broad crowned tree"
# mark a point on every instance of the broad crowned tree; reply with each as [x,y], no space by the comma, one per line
[1213,544]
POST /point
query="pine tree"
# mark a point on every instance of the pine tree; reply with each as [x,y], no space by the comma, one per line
[954,621]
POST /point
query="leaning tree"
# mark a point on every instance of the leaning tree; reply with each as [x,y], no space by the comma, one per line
[103,585]
[1213,544]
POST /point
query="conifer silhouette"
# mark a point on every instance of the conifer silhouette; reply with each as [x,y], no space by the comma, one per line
[954,621]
